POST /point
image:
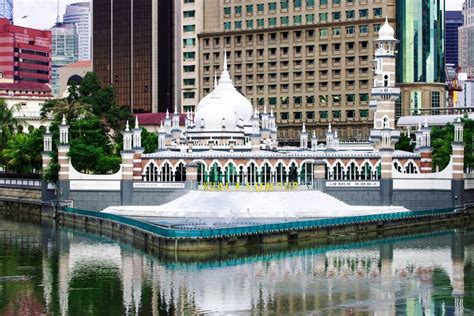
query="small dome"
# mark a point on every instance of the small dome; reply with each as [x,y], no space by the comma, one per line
[386,32]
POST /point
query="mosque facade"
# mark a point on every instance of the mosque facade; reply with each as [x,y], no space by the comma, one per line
[227,144]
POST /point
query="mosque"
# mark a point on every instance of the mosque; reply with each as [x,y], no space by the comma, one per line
[230,142]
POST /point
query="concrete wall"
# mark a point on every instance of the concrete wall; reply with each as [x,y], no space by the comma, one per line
[422,199]
[21,193]
[353,196]
[95,201]
[155,197]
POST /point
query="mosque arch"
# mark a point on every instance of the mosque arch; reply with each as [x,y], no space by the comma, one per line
[166,172]
[150,172]
[180,173]
[410,167]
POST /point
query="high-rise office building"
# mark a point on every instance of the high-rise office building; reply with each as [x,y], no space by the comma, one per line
[308,61]
[25,54]
[191,24]
[421,59]
[64,50]
[454,20]
[6,9]
[134,50]
[80,13]
[466,39]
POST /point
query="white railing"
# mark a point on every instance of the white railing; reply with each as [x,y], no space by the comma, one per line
[20,182]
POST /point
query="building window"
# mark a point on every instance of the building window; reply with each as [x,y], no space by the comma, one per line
[310,115]
[323,115]
[284,115]
[297,115]
[336,114]
[364,113]
[435,102]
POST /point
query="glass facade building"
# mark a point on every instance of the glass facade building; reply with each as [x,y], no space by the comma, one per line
[421,30]
[133,51]
[6,9]
[454,20]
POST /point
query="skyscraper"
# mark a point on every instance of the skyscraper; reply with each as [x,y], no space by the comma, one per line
[466,39]
[134,50]
[309,61]
[453,21]
[80,13]
[421,60]
[6,9]
[64,50]
[25,54]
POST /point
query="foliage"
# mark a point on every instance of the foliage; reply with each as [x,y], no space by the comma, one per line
[22,153]
[149,141]
[405,143]
[8,123]
[95,123]
[441,139]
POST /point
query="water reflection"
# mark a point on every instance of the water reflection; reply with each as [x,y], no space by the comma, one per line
[55,271]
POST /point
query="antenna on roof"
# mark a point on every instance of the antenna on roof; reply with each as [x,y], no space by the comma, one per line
[57,17]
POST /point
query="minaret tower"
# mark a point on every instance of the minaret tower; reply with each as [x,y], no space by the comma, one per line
[384,92]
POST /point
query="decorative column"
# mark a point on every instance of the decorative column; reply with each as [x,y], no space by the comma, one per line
[426,150]
[457,182]
[46,160]
[126,184]
[191,176]
[64,161]
[138,149]
[319,175]
[303,138]
[314,142]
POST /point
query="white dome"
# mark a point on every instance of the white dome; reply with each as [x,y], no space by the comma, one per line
[386,32]
[214,112]
[223,102]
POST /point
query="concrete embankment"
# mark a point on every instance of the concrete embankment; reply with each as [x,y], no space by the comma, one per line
[154,242]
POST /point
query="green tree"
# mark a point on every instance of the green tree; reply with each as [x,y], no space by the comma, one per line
[149,141]
[404,143]
[22,153]
[8,123]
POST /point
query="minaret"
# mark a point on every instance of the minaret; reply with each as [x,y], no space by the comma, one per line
[175,131]
[314,142]
[457,160]
[330,138]
[63,160]
[426,150]
[137,135]
[126,185]
[303,138]
[161,138]
[46,160]
[255,137]
[168,123]
[384,94]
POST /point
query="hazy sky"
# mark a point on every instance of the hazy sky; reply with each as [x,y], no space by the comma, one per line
[42,13]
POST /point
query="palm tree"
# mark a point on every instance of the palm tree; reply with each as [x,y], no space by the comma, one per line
[20,156]
[8,122]
[70,108]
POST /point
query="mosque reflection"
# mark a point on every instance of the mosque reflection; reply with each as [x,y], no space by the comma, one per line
[423,275]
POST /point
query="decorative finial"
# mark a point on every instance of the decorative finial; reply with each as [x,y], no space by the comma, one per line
[127,127]
[335,133]
[47,129]
[329,128]
[167,114]
[426,123]
[314,133]
[64,120]
[419,126]
[136,122]
[225,59]
[304,128]
[265,108]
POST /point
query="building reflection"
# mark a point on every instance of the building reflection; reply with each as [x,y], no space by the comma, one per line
[386,279]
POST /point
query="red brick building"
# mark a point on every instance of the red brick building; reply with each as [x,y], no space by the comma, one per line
[25,54]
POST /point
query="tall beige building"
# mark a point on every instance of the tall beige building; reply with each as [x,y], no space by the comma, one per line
[308,60]
[188,49]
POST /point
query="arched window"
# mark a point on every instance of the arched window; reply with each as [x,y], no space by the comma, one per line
[252,172]
[293,173]
[151,173]
[385,81]
[265,173]
[280,173]
[231,174]
[306,173]
[166,173]
[411,168]
[215,173]
[180,173]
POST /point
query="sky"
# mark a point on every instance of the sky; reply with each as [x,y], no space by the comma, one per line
[42,14]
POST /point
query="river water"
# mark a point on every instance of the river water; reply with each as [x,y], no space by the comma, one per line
[58,271]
